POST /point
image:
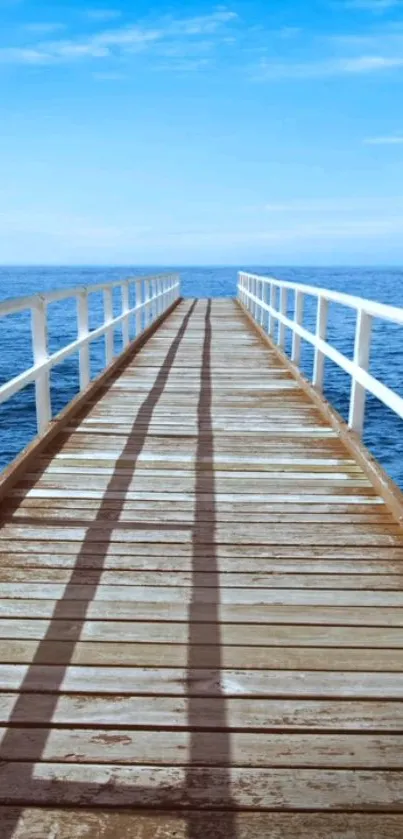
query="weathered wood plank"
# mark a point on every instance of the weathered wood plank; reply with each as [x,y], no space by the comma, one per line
[174,748]
[168,712]
[173,595]
[171,787]
[181,579]
[136,564]
[360,535]
[241,613]
[238,634]
[129,654]
[179,682]
[92,824]
[184,552]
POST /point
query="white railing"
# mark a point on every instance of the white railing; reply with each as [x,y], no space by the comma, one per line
[269,296]
[153,296]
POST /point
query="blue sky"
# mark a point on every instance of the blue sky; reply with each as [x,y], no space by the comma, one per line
[253,132]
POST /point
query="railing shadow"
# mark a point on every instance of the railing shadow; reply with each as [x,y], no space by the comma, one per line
[205,559]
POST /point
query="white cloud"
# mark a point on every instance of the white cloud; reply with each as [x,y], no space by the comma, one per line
[22,55]
[328,67]
[370,63]
[392,140]
[124,39]
[204,24]
[43,29]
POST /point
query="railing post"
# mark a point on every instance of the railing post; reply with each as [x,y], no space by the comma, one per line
[361,359]
[139,300]
[125,311]
[83,332]
[319,358]
[298,317]
[262,285]
[147,302]
[40,354]
[154,288]
[157,302]
[163,301]
[154,292]
[265,301]
[283,311]
[272,325]
[108,317]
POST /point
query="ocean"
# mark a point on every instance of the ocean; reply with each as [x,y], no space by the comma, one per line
[383,430]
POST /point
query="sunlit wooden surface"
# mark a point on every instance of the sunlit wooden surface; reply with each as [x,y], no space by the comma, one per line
[201,610]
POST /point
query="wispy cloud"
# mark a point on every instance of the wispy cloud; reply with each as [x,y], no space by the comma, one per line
[328,67]
[391,140]
[42,29]
[118,41]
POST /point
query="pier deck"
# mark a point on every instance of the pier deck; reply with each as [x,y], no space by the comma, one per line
[201,610]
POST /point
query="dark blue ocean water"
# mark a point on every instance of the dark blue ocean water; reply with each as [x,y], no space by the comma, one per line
[383,430]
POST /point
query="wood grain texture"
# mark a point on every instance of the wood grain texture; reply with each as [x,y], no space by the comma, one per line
[201,609]
[94,824]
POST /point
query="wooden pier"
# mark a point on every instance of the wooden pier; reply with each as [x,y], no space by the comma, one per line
[201,606]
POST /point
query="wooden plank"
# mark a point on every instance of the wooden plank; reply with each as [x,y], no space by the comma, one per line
[174,748]
[160,632]
[241,613]
[129,654]
[297,535]
[83,514]
[180,682]
[337,496]
[171,787]
[262,468]
[184,552]
[173,595]
[181,579]
[165,712]
[136,564]
[88,824]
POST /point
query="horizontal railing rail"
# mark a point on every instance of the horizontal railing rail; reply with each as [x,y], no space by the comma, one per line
[153,296]
[267,295]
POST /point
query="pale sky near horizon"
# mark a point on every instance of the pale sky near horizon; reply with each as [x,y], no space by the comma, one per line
[192,133]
